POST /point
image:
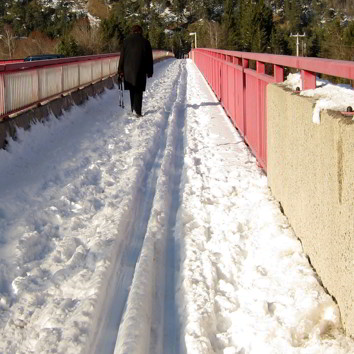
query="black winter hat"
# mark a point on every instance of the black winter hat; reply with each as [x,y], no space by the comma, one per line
[137,29]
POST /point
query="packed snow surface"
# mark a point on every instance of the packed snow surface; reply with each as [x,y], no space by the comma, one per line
[125,235]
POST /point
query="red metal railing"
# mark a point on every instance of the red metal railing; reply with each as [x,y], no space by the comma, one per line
[25,84]
[242,90]
[10,61]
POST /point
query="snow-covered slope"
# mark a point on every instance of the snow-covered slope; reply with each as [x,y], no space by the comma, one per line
[74,5]
[77,6]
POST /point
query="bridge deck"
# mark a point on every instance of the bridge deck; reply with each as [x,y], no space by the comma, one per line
[120,234]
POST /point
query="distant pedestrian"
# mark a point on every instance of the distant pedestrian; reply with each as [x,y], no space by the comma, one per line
[135,64]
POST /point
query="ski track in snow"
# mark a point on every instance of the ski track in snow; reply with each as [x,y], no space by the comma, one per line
[159,234]
[155,223]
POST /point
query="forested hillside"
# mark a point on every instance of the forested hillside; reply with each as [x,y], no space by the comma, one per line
[82,27]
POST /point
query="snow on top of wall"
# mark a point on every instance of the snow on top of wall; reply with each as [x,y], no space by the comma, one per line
[326,94]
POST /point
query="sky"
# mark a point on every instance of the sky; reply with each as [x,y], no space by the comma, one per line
[156,234]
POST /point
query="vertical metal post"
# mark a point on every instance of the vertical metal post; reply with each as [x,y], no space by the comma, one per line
[260,68]
[308,80]
[297,41]
[278,73]
[195,38]
[245,65]
[2,94]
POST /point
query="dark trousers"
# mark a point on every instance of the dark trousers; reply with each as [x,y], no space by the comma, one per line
[136,100]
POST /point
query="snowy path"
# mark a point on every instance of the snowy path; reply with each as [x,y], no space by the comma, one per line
[151,307]
[152,235]
[93,201]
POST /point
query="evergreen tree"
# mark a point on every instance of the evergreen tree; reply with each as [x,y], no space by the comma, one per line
[15,17]
[230,29]
[292,12]
[178,6]
[68,47]
[112,33]
[263,20]
[314,45]
[348,38]
[37,18]
[245,20]
[337,40]
[211,10]
[248,25]
[256,25]
[279,43]
[156,32]
[2,8]
[178,43]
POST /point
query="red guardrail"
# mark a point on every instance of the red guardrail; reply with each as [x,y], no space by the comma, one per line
[28,83]
[242,90]
[24,84]
[19,65]
[10,61]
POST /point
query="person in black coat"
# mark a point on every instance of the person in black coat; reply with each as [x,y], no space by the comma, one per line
[135,64]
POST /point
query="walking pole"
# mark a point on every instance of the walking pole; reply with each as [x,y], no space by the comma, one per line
[120,92]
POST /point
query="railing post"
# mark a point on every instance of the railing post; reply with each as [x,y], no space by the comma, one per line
[79,73]
[2,94]
[308,79]
[238,91]
[260,67]
[220,77]
[278,73]
[62,78]
[36,90]
[238,61]
[245,65]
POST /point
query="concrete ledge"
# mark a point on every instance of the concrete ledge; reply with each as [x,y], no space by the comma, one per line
[56,107]
[311,172]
